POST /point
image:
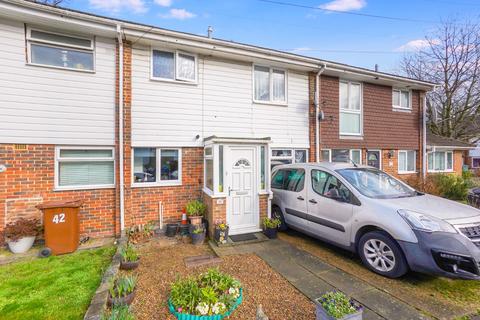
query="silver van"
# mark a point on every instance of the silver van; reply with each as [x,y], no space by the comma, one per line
[391,226]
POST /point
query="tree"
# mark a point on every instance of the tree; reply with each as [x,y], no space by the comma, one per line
[450,57]
[50,2]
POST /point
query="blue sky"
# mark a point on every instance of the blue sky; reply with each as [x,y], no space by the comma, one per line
[342,37]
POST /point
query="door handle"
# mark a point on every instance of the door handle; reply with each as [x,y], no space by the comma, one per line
[300,198]
[312,201]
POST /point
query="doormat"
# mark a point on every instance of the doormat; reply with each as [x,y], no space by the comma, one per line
[243,237]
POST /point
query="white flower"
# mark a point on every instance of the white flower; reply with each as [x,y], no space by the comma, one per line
[235,292]
[218,308]
[202,308]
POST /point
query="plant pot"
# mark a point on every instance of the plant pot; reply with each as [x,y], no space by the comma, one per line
[126,300]
[321,313]
[221,236]
[129,265]
[271,233]
[198,238]
[195,220]
[22,245]
[172,229]
[184,229]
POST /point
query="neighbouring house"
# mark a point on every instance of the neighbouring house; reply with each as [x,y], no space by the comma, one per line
[137,120]
[446,155]
[473,158]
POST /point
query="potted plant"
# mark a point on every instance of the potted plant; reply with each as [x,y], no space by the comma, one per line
[130,258]
[122,291]
[195,210]
[20,235]
[270,226]
[221,232]
[336,305]
[198,235]
[210,296]
[121,312]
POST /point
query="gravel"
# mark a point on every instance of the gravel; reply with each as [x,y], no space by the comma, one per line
[161,263]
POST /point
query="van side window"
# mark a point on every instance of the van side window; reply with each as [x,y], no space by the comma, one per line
[323,183]
[289,179]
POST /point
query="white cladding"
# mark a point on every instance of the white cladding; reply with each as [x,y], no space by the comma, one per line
[44,105]
[221,104]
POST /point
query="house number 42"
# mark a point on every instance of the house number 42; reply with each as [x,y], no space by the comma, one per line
[59,218]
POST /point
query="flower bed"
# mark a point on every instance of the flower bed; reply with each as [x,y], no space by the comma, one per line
[210,296]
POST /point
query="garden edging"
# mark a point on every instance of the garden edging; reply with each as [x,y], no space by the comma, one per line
[99,300]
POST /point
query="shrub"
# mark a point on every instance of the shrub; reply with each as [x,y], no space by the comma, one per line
[212,292]
[338,305]
[271,223]
[121,312]
[22,228]
[451,186]
[128,253]
[195,208]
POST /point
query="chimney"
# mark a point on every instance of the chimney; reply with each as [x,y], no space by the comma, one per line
[376,67]
[210,31]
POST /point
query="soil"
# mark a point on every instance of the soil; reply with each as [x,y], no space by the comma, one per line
[162,262]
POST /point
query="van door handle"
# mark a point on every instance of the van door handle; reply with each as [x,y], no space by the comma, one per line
[300,198]
[312,201]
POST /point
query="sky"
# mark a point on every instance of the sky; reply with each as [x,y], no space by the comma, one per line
[357,32]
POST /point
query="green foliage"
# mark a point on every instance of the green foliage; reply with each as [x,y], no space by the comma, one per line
[337,304]
[58,287]
[271,223]
[195,208]
[129,254]
[452,186]
[123,286]
[198,230]
[212,292]
[121,312]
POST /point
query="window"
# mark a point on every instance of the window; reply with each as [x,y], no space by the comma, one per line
[439,161]
[288,156]
[209,168]
[270,84]
[475,162]
[220,168]
[157,166]
[323,183]
[326,155]
[401,99]
[289,179]
[350,108]
[84,168]
[60,51]
[407,161]
[174,66]
[347,155]
[262,168]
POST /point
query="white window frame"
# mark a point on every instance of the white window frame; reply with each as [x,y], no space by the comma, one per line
[380,154]
[406,159]
[446,157]
[351,111]
[58,159]
[176,79]
[399,90]
[329,154]
[59,45]
[270,79]
[215,178]
[159,182]
[361,155]
[291,157]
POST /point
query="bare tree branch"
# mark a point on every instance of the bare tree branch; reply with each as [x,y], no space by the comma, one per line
[50,2]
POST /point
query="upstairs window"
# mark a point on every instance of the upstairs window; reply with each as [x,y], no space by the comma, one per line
[401,99]
[60,50]
[270,84]
[350,108]
[174,66]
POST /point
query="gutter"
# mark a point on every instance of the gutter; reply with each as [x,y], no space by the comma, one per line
[317,112]
[120,128]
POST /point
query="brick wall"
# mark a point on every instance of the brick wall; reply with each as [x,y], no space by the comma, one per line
[216,211]
[29,180]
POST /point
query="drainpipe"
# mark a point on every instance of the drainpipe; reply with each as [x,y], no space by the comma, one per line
[424,133]
[120,128]
[317,112]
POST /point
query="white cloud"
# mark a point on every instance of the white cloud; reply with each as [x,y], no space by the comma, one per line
[418,44]
[180,14]
[115,6]
[344,5]
[301,49]
[163,3]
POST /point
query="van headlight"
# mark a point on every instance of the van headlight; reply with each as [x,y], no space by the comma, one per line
[424,222]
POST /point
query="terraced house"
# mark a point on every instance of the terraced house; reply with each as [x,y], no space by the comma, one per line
[137,120]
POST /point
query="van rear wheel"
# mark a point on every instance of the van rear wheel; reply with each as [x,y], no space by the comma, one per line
[381,254]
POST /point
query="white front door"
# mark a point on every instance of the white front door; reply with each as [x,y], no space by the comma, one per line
[242,211]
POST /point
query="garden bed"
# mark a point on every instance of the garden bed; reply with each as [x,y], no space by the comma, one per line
[161,265]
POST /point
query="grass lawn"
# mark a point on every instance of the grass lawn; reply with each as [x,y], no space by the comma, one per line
[58,287]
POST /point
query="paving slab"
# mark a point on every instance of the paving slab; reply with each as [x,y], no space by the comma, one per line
[344,282]
[311,286]
[312,263]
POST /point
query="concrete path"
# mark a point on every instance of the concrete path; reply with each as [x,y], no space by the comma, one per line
[313,277]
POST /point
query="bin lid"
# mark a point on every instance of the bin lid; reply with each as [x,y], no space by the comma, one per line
[61,204]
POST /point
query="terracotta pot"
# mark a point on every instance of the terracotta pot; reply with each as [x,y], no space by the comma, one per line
[195,220]
[126,300]
[22,245]
[129,265]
